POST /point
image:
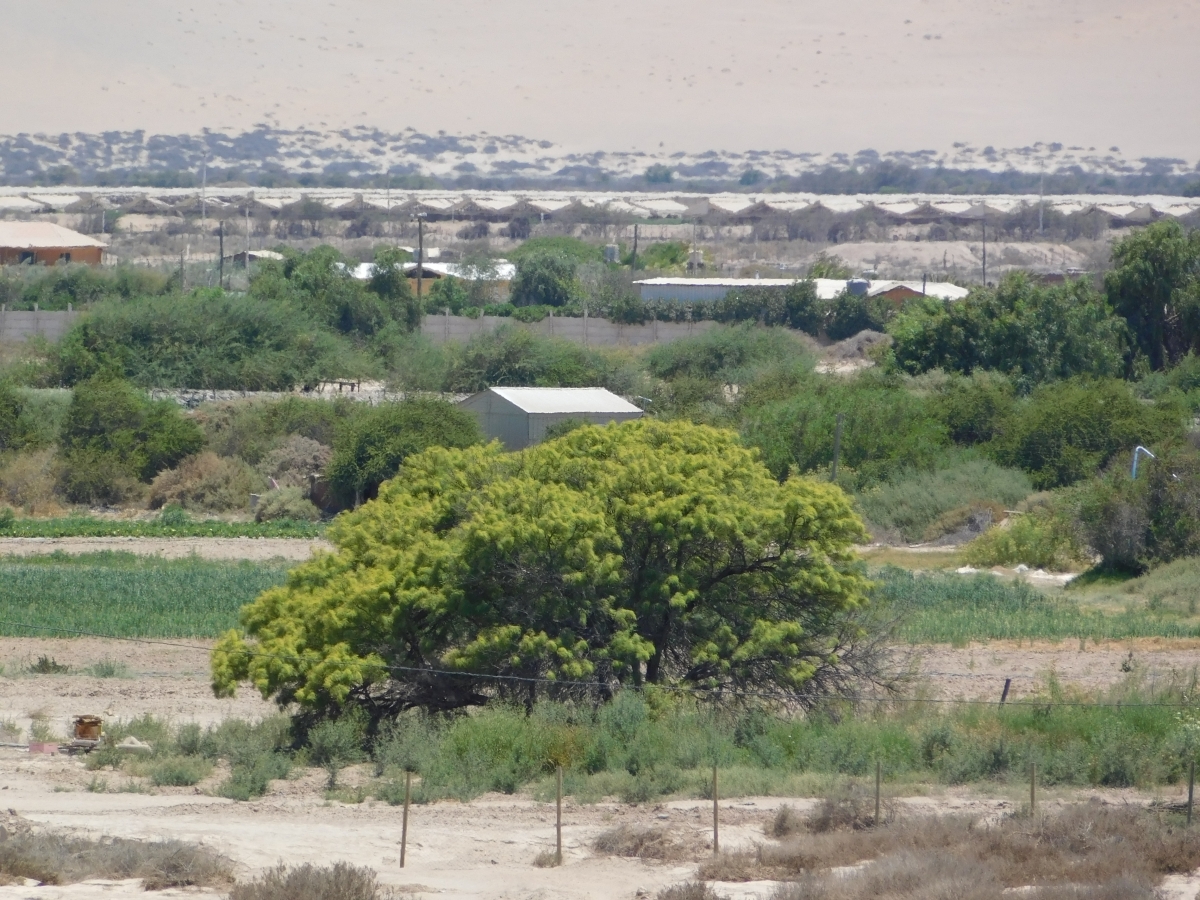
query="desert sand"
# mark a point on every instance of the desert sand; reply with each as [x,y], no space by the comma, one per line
[818,76]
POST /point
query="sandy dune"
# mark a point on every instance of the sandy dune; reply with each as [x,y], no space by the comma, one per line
[843,75]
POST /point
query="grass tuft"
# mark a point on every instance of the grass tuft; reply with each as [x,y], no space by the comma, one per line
[341,881]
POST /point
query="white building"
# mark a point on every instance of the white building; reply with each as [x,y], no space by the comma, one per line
[519,416]
[699,290]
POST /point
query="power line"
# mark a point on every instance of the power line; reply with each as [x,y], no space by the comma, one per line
[555,682]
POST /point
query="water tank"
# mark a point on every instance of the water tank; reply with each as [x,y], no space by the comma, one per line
[858,286]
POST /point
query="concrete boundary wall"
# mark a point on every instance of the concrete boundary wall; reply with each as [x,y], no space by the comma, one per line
[20,325]
[590,332]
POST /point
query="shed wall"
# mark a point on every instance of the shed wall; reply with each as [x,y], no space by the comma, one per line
[49,256]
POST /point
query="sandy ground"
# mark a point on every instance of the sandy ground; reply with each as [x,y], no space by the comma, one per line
[483,850]
[478,851]
[169,548]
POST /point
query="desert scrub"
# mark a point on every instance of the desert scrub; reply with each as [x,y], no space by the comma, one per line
[60,859]
[341,881]
[128,596]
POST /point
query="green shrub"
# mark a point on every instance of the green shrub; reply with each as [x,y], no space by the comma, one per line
[1035,333]
[1067,432]
[730,355]
[1041,539]
[335,744]
[289,503]
[912,502]
[371,447]
[253,777]
[569,247]
[973,408]
[178,771]
[514,356]
[113,435]
[886,430]
[208,339]
[545,279]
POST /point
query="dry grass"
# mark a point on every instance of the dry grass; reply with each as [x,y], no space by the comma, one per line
[786,822]
[59,859]
[28,482]
[642,843]
[341,881]
[850,809]
[691,890]
[206,482]
[1087,851]
[547,859]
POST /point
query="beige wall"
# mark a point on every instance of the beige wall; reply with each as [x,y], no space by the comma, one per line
[590,332]
[20,325]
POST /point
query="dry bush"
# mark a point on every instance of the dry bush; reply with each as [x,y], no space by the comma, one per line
[28,481]
[851,808]
[294,460]
[643,843]
[547,859]
[690,890]
[208,482]
[785,822]
[57,859]
[286,503]
[1084,852]
[341,881]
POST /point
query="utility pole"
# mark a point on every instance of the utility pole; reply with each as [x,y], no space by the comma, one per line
[633,256]
[204,193]
[1042,200]
[221,254]
[420,254]
[985,251]
[247,234]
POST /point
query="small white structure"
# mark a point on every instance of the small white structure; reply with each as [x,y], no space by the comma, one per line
[696,290]
[519,416]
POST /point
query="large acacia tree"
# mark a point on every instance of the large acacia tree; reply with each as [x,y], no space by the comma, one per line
[645,553]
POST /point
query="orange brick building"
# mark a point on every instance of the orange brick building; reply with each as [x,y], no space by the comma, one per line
[43,243]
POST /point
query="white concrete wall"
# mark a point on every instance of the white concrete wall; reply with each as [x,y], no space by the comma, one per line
[590,332]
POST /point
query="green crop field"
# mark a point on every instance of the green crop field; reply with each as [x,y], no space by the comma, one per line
[946,608]
[165,527]
[128,596]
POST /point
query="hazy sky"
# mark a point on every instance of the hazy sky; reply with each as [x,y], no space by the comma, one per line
[617,75]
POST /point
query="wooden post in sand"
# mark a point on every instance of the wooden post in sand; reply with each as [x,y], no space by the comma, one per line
[878,779]
[1032,789]
[558,818]
[1191,788]
[716,817]
[404,825]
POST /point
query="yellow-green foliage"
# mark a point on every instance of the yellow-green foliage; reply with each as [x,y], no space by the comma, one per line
[648,551]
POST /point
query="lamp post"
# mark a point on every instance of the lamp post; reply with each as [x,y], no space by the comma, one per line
[420,217]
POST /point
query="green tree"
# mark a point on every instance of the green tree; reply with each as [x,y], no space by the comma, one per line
[389,283]
[545,279]
[371,446]
[1068,431]
[644,553]
[827,266]
[112,433]
[1155,285]
[1031,332]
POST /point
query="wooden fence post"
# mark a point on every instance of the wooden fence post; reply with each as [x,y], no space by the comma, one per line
[404,825]
[716,817]
[558,819]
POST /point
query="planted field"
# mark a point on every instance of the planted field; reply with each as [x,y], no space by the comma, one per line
[127,596]
[955,609]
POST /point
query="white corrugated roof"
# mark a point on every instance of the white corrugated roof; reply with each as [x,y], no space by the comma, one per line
[31,235]
[565,400]
[943,290]
[720,282]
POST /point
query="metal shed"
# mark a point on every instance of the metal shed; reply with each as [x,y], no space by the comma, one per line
[519,416]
